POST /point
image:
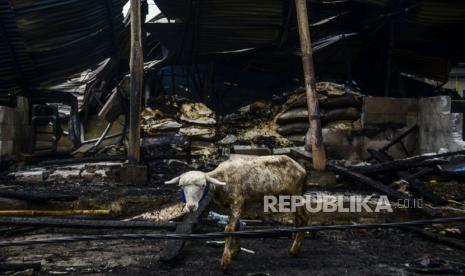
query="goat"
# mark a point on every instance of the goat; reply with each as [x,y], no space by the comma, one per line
[237,182]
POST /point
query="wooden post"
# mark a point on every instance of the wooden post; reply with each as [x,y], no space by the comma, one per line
[137,72]
[315,139]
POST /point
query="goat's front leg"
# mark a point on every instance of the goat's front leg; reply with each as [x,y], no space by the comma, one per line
[231,245]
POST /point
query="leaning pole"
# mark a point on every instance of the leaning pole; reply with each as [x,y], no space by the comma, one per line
[315,137]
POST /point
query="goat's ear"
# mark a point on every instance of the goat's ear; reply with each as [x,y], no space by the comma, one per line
[173,181]
[215,181]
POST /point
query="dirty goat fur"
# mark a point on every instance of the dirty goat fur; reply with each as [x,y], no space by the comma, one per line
[235,183]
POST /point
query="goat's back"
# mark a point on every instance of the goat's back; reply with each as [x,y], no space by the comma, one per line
[266,175]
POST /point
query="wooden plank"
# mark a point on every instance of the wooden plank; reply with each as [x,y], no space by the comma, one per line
[173,247]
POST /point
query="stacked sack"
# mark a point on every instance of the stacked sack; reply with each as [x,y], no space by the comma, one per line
[181,117]
[340,108]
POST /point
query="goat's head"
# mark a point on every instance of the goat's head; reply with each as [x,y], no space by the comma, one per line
[194,185]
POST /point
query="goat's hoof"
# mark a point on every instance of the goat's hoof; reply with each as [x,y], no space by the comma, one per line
[294,252]
[294,255]
[225,266]
[225,262]
[235,253]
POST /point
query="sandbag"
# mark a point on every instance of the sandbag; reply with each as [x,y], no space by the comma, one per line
[198,133]
[331,89]
[338,114]
[341,114]
[197,113]
[201,148]
[294,115]
[297,139]
[347,100]
[302,101]
[155,127]
[293,128]
[345,125]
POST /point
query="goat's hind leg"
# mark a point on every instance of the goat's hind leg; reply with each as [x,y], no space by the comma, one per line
[301,219]
[235,242]
[231,245]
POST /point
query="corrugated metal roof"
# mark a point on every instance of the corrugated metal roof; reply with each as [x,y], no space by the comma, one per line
[59,37]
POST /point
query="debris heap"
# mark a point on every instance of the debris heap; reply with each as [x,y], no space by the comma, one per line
[280,122]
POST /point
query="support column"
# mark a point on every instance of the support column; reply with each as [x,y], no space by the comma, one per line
[315,139]
[133,173]
[137,72]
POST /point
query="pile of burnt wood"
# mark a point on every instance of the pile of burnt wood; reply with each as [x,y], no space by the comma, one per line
[407,181]
[386,175]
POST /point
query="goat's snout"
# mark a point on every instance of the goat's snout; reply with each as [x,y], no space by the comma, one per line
[191,207]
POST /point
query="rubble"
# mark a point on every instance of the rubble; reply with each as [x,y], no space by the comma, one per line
[261,123]
[64,175]
[29,177]
[88,172]
[228,140]
[197,113]
[198,133]
[165,213]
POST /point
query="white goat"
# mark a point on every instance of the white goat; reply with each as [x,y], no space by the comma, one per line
[235,183]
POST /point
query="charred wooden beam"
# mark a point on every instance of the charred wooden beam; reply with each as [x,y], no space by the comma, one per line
[316,138]
[419,174]
[399,139]
[37,197]
[397,165]
[416,185]
[173,247]
[377,154]
[380,187]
